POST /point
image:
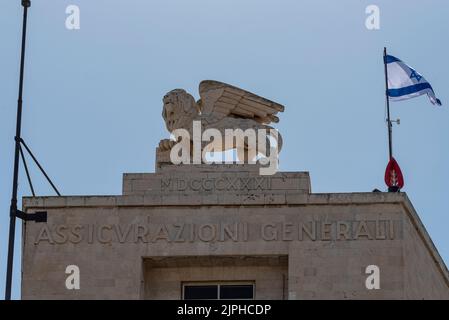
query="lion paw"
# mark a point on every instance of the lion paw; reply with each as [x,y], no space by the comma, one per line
[166,144]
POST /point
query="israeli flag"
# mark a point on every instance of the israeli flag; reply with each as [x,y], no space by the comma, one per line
[405,83]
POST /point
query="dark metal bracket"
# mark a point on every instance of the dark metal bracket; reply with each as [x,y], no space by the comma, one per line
[40,216]
[21,143]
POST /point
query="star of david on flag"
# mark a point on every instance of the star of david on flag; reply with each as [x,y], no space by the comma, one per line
[405,83]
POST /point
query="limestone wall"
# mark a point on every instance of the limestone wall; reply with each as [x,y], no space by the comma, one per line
[325,240]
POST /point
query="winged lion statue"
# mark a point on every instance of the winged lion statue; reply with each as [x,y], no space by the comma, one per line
[221,106]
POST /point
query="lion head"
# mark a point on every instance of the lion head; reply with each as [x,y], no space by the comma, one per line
[179,109]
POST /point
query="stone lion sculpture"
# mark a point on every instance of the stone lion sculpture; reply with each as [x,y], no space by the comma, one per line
[221,107]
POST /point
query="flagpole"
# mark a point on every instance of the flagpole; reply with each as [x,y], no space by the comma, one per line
[390,126]
[13,207]
[394,171]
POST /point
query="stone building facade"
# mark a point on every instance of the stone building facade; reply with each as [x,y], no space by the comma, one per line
[227,226]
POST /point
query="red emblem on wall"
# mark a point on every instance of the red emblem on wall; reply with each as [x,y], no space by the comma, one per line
[393,175]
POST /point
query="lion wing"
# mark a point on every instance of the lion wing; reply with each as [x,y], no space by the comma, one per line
[222,100]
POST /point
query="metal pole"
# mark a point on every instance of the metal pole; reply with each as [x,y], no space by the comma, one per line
[390,126]
[13,208]
[27,172]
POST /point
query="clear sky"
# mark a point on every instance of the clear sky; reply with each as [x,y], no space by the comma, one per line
[92,97]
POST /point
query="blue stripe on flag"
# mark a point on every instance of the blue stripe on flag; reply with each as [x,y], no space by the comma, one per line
[390,59]
[409,90]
